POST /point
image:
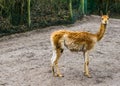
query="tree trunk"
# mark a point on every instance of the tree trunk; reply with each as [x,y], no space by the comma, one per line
[85,7]
[70,9]
[82,7]
[29,20]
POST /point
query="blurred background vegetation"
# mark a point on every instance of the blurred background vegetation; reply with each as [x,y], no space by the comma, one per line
[23,15]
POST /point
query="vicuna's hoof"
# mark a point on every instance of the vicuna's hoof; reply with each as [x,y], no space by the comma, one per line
[59,75]
[88,75]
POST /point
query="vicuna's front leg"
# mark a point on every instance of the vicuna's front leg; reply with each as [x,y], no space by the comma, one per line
[86,63]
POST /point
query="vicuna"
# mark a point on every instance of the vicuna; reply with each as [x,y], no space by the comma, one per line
[75,41]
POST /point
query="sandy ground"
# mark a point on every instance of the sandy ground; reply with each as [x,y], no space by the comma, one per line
[25,58]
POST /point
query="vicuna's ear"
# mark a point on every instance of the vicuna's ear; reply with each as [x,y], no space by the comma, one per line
[101,13]
[108,13]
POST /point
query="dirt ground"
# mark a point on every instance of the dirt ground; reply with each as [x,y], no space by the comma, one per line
[25,58]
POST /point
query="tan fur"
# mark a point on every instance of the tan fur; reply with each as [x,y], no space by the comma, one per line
[75,41]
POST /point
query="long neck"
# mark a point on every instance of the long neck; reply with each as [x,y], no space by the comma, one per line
[101,32]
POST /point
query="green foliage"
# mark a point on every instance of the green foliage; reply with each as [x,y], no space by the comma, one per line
[7,28]
[52,12]
[14,10]
[95,6]
[16,15]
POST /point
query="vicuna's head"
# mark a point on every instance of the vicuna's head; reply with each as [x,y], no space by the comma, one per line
[104,18]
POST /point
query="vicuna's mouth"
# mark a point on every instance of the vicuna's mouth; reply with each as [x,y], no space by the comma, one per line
[104,22]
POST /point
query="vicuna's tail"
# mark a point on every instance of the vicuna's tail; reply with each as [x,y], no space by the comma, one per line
[57,39]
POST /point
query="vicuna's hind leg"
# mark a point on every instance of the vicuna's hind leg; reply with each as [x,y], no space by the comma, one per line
[54,60]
